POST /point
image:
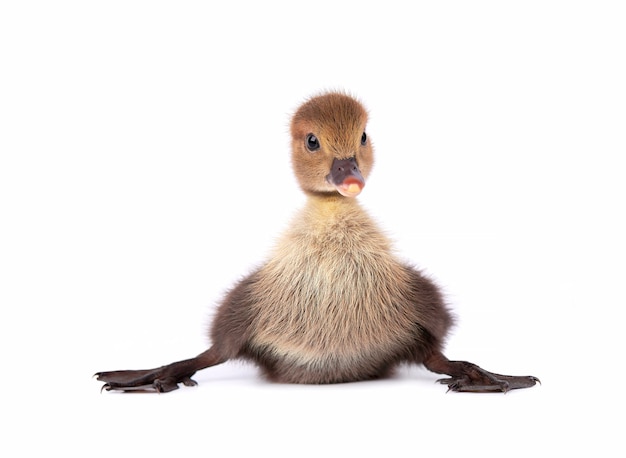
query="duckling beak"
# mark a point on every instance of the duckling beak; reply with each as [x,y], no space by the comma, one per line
[346,177]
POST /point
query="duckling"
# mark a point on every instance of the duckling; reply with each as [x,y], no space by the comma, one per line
[332,303]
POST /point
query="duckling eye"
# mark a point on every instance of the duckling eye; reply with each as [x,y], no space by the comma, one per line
[312,143]
[364,139]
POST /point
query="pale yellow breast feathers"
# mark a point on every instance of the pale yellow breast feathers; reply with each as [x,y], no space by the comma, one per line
[332,287]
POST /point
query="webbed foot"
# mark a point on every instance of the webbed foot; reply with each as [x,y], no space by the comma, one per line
[479,380]
[469,377]
[161,380]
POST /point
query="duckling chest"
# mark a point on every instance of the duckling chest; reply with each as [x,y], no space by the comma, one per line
[332,298]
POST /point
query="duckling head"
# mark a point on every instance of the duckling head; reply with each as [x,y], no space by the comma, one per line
[331,151]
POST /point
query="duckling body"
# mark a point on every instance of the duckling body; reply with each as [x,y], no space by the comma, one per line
[333,303]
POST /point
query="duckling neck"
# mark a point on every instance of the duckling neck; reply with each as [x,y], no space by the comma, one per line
[323,207]
[334,221]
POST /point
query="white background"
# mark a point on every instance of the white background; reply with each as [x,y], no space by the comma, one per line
[144,168]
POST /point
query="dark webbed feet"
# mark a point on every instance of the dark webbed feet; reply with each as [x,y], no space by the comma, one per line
[161,380]
[469,377]
[488,383]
